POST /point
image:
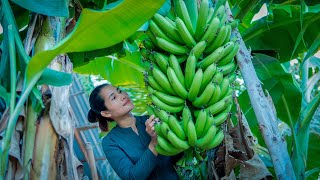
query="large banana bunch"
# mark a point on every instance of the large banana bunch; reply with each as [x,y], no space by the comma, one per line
[191,68]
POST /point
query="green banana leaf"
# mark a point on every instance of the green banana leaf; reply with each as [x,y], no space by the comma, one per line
[49,8]
[82,58]
[285,94]
[303,137]
[281,31]
[124,71]
[96,30]
[55,78]
[313,155]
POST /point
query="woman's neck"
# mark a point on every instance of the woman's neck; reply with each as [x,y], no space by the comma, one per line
[127,121]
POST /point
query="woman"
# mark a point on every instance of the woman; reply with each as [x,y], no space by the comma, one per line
[130,145]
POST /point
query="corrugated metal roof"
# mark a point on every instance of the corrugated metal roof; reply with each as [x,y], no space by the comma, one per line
[79,107]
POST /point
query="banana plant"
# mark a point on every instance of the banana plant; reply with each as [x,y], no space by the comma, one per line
[35,68]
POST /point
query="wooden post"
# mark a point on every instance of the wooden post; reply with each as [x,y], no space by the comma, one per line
[91,161]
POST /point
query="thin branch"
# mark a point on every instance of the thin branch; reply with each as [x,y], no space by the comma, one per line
[267,120]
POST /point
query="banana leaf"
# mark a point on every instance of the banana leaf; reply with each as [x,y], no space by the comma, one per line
[281,31]
[49,8]
[124,71]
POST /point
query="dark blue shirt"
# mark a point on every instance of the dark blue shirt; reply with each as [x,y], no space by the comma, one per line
[130,157]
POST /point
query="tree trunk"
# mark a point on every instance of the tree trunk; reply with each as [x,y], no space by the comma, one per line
[56,119]
[266,118]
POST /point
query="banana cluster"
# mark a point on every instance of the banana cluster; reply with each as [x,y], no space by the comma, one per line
[192,68]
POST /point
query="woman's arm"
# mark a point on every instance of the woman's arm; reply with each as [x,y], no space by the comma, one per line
[123,166]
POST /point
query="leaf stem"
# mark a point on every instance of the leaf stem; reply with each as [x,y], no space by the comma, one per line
[13,79]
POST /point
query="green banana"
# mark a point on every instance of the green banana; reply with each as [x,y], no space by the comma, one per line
[219,10]
[211,31]
[196,84]
[229,92]
[215,96]
[205,96]
[176,142]
[167,27]
[168,99]
[210,15]
[190,70]
[174,63]
[217,107]
[217,42]
[198,49]
[220,105]
[162,151]
[227,48]
[223,19]
[224,86]
[162,80]
[176,84]
[157,129]
[164,106]
[150,110]
[176,127]
[221,117]
[167,146]
[191,133]
[154,84]
[192,7]
[200,122]
[184,33]
[150,34]
[227,39]
[209,123]
[202,20]
[145,53]
[228,68]
[171,47]
[207,138]
[182,58]
[217,78]
[232,77]
[162,61]
[164,129]
[229,57]
[152,59]
[207,76]
[157,32]
[196,113]
[216,140]
[161,114]
[183,14]
[170,21]
[148,44]
[186,115]
[215,56]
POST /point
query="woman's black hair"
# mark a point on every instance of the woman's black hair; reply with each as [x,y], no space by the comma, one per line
[97,105]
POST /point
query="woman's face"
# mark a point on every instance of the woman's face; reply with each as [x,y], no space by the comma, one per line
[117,102]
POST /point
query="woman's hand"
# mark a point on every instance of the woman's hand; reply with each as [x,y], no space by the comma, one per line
[150,130]
[150,126]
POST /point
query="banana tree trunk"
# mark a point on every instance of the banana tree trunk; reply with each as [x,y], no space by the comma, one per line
[53,158]
[266,118]
[28,138]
